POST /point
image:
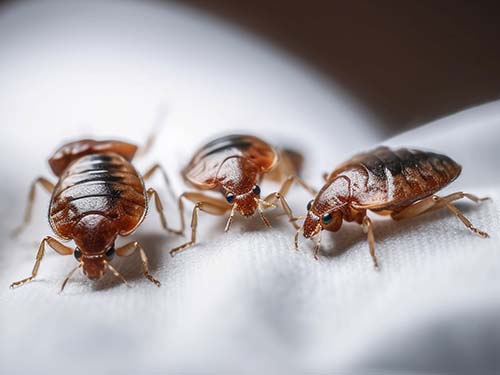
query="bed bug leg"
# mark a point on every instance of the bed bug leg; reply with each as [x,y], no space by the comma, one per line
[268,202]
[157,167]
[286,207]
[287,184]
[435,202]
[262,216]
[368,229]
[194,226]
[285,187]
[283,191]
[464,220]
[204,203]
[117,274]
[473,198]
[130,248]
[159,208]
[296,238]
[317,247]
[48,186]
[54,244]
[69,277]
[230,218]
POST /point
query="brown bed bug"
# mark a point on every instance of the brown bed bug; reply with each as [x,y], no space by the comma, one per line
[401,183]
[99,196]
[235,164]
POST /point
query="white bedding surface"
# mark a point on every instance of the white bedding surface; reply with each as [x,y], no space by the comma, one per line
[241,301]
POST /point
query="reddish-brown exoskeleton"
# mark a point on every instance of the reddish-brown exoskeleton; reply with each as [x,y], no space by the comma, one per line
[235,165]
[401,183]
[99,196]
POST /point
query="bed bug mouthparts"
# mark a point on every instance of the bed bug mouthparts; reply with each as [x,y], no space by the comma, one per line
[401,183]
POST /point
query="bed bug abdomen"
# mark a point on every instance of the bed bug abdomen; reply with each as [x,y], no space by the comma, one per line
[386,179]
[103,184]
[203,169]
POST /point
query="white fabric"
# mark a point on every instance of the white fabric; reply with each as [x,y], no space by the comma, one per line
[244,300]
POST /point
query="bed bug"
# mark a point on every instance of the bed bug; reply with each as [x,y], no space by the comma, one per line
[99,196]
[235,164]
[401,183]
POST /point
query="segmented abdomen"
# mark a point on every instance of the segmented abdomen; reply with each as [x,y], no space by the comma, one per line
[105,184]
[386,179]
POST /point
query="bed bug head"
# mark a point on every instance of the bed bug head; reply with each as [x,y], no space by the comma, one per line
[245,203]
[239,185]
[321,216]
[94,266]
[326,211]
[95,237]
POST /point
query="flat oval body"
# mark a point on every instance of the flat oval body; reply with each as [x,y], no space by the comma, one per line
[388,180]
[203,171]
[105,184]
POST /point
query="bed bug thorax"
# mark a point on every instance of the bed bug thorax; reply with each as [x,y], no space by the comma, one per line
[401,183]
[98,197]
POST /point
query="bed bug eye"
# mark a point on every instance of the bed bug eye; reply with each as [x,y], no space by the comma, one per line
[230,197]
[326,218]
[77,253]
[110,253]
[256,190]
[309,205]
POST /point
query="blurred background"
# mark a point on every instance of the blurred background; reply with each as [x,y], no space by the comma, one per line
[409,62]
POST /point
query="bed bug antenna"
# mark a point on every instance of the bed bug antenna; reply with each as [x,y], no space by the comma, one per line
[158,124]
[69,277]
[117,274]
[230,218]
[296,238]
